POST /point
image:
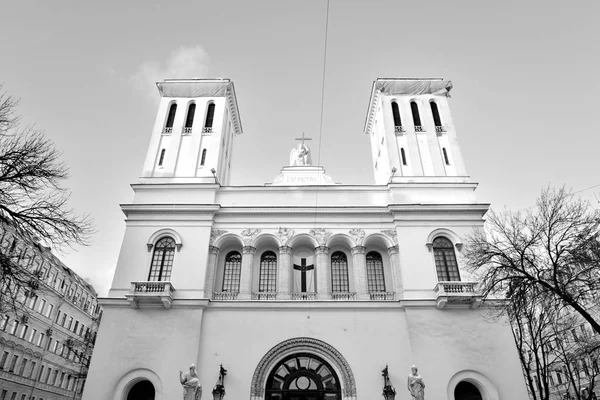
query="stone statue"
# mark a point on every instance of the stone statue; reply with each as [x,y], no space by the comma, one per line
[192,390]
[300,155]
[415,384]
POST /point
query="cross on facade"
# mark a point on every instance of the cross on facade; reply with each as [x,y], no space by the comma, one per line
[303,268]
[303,138]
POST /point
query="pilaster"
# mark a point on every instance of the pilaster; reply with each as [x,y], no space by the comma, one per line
[284,273]
[211,270]
[394,254]
[246,273]
[323,277]
[360,272]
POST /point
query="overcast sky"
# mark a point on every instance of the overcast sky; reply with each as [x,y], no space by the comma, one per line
[524,74]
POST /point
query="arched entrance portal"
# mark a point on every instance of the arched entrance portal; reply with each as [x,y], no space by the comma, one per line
[143,390]
[466,391]
[303,376]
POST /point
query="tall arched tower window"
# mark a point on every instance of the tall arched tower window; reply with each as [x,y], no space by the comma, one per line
[375,277]
[210,115]
[396,114]
[414,108]
[268,272]
[339,273]
[445,260]
[436,114]
[162,260]
[171,116]
[189,120]
[231,272]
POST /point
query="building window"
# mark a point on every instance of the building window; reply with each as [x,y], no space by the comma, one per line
[162,260]
[171,116]
[189,120]
[231,273]
[375,277]
[339,273]
[13,363]
[403,155]
[210,115]
[268,272]
[3,360]
[203,159]
[436,114]
[396,114]
[445,260]
[162,157]
[446,160]
[415,113]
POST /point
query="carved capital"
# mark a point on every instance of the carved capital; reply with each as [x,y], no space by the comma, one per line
[392,234]
[248,250]
[358,235]
[214,234]
[285,234]
[321,235]
[285,250]
[458,246]
[322,250]
[150,246]
[393,250]
[358,250]
[248,236]
[213,250]
[178,246]
[429,246]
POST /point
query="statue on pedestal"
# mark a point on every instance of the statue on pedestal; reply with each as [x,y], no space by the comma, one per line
[415,384]
[192,390]
[300,155]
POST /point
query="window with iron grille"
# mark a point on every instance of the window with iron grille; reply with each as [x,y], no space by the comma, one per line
[268,272]
[339,273]
[445,260]
[375,276]
[162,260]
[231,272]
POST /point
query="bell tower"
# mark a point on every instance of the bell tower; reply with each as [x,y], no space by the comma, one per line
[411,132]
[192,140]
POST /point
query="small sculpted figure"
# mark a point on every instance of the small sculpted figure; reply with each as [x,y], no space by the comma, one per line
[300,155]
[192,390]
[415,384]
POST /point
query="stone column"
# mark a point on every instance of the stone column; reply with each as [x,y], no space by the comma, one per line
[323,277]
[359,259]
[284,283]
[246,273]
[211,271]
[394,255]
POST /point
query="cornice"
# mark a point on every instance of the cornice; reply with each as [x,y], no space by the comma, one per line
[170,209]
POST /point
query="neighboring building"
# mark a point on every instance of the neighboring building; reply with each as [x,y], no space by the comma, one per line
[301,288]
[46,340]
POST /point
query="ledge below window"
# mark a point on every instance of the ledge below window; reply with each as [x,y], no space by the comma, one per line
[457,293]
[145,292]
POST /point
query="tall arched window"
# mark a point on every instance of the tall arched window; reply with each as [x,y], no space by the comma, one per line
[403,155]
[171,116]
[446,156]
[415,114]
[189,120]
[436,114]
[210,115]
[375,277]
[231,272]
[267,281]
[339,273]
[396,114]
[445,260]
[162,260]
[203,159]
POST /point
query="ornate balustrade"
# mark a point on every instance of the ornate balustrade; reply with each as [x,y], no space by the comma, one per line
[150,292]
[457,293]
[382,296]
[440,129]
[399,130]
[167,131]
[207,129]
[186,130]
[225,296]
[419,128]
[343,296]
[264,296]
[304,296]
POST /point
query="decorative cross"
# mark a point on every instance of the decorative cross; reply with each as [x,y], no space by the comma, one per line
[303,268]
[303,138]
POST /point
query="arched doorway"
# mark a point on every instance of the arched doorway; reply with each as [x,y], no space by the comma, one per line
[143,390]
[303,376]
[466,391]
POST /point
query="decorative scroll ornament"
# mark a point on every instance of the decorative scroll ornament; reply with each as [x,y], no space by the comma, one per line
[392,234]
[285,234]
[322,235]
[214,234]
[248,235]
[358,235]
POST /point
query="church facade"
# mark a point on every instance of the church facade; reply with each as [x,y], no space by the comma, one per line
[303,288]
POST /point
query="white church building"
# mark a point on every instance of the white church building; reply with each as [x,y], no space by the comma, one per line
[303,288]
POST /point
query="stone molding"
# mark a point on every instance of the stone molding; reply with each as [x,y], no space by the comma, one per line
[392,234]
[214,234]
[393,250]
[285,250]
[285,234]
[321,235]
[358,235]
[358,250]
[322,250]
[308,345]
[248,235]
[248,250]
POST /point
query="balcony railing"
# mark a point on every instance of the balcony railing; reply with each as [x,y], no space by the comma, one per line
[399,130]
[457,293]
[304,296]
[225,296]
[150,292]
[167,131]
[382,295]
[207,129]
[419,128]
[186,130]
[264,296]
[440,129]
[343,296]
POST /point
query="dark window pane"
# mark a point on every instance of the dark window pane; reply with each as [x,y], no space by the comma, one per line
[339,273]
[231,273]
[415,113]
[445,260]
[189,121]
[435,113]
[171,117]
[396,114]
[375,277]
[268,272]
[210,115]
[162,260]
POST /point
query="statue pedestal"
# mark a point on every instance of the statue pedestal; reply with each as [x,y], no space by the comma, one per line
[302,176]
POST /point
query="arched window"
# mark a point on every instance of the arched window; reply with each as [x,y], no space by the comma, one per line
[339,273]
[267,281]
[445,156]
[143,390]
[203,159]
[161,158]
[231,272]
[436,114]
[210,115]
[415,113]
[189,121]
[162,260]
[403,155]
[396,114]
[171,117]
[466,391]
[375,277]
[445,260]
